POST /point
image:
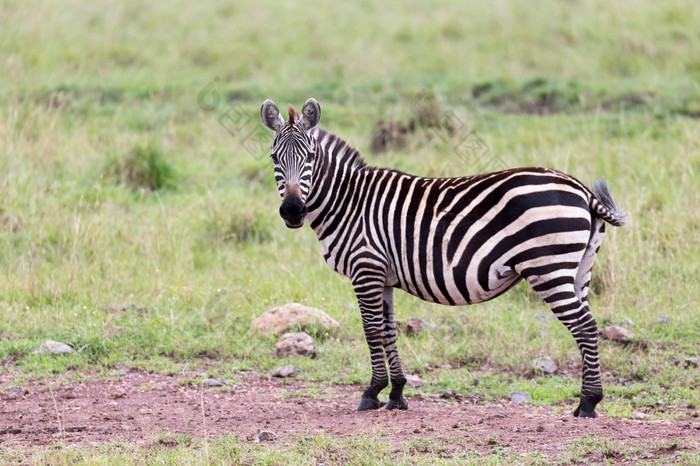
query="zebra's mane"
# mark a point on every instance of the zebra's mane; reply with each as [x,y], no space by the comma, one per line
[342,151]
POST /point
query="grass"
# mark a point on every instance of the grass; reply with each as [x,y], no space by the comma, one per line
[138,212]
[371,448]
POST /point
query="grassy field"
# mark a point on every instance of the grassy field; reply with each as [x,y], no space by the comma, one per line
[138,211]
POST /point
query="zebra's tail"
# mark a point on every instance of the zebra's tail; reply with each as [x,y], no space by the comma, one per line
[603,206]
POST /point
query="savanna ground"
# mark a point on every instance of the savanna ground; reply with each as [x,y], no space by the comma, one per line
[138,223]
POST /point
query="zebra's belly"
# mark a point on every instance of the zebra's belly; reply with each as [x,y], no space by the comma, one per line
[451,288]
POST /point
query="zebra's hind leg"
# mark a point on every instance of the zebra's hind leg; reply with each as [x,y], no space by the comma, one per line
[398,379]
[370,299]
[558,291]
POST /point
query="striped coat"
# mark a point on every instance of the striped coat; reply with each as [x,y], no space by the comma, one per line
[452,241]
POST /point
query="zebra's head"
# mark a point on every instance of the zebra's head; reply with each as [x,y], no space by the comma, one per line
[293,152]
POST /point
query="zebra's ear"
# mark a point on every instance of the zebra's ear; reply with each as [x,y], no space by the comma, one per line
[310,114]
[270,115]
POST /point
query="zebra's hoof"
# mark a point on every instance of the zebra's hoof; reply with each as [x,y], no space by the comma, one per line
[581,414]
[586,409]
[369,403]
[584,413]
[396,404]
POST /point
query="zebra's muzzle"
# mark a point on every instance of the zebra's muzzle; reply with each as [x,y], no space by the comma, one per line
[293,211]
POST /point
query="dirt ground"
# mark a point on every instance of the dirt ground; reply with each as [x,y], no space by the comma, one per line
[141,405]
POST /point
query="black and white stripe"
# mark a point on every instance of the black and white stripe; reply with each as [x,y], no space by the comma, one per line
[452,241]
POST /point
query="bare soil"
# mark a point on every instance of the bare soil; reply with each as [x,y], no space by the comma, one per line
[141,405]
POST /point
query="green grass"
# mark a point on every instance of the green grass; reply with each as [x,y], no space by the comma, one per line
[138,212]
[370,448]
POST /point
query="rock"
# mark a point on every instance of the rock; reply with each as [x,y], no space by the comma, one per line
[544,316]
[663,320]
[640,415]
[691,362]
[475,382]
[119,392]
[54,347]
[414,381]
[294,316]
[283,371]
[545,365]
[267,436]
[412,326]
[627,322]
[295,344]
[520,397]
[213,382]
[615,333]
[446,367]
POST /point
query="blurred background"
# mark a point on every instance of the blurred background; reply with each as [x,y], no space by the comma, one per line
[138,211]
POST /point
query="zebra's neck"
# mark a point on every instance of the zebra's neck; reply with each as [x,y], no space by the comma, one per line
[337,173]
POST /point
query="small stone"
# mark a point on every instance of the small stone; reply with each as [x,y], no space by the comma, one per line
[412,326]
[627,322]
[615,333]
[54,347]
[267,436]
[213,382]
[691,362]
[283,371]
[294,316]
[545,365]
[520,397]
[118,392]
[446,367]
[414,381]
[640,415]
[540,428]
[295,344]
[447,395]
[663,320]
[475,382]
[163,393]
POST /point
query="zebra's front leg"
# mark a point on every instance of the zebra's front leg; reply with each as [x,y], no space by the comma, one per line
[371,308]
[398,378]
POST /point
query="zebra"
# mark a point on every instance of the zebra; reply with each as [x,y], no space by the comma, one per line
[453,241]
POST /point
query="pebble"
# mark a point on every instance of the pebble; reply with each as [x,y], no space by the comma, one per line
[283,371]
[267,436]
[54,347]
[615,333]
[545,365]
[295,344]
[213,382]
[414,381]
[412,326]
[691,362]
[520,397]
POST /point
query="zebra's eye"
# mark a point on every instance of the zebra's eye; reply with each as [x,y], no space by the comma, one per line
[274,158]
[310,157]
